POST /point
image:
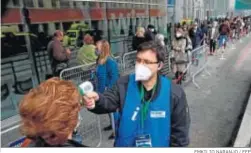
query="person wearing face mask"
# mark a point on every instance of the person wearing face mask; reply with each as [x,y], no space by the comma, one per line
[189,46]
[153,110]
[196,35]
[213,34]
[188,49]
[178,54]
[107,74]
[150,33]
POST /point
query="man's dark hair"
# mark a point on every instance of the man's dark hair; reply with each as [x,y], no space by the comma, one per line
[151,45]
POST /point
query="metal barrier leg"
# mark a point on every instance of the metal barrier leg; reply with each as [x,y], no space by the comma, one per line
[207,71]
[100,132]
[113,123]
[193,80]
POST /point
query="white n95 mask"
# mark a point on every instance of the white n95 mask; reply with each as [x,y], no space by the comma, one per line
[142,72]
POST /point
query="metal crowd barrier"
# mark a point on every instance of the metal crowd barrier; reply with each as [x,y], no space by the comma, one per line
[119,61]
[198,63]
[129,60]
[167,64]
[89,128]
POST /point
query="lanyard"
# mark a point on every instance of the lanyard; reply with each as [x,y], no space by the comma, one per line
[145,104]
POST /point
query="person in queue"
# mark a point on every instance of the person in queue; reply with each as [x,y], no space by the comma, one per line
[213,34]
[86,53]
[196,35]
[107,73]
[150,33]
[49,114]
[153,111]
[160,40]
[179,56]
[138,38]
[59,55]
[224,31]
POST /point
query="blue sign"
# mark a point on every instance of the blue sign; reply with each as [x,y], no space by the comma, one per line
[242,4]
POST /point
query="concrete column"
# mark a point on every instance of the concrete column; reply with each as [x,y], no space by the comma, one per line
[51,28]
[71,4]
[57,3]
[61,27]
[47,4]
[80,5]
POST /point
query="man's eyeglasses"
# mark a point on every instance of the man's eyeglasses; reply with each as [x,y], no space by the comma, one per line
[145,62]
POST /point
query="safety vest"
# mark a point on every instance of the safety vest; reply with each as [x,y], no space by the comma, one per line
[157,123]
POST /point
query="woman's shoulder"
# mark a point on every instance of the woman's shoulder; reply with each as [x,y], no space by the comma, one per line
[111,61]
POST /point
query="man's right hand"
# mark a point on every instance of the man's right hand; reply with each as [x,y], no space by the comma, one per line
[90,99]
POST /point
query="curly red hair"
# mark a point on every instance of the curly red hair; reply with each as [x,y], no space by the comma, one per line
[51,108]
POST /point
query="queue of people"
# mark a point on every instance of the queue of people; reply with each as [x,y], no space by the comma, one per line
[214,32]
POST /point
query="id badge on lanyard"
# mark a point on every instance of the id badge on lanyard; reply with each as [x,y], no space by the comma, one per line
[144,139]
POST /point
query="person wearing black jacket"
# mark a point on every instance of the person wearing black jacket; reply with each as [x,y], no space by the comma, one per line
[150,33]
[150,105]
[139,38]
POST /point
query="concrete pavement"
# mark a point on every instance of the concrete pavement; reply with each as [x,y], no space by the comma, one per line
[216,107]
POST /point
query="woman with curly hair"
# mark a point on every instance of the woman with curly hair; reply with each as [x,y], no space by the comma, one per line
[49,114]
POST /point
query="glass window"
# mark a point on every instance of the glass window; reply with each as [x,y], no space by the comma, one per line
[67,25]
[75,4]
[57,25]
[34,28]
[40,3]
[64,3]
[16,3]
[102,5]
[20,27]
[92,4]
[28,3]
[54,3]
